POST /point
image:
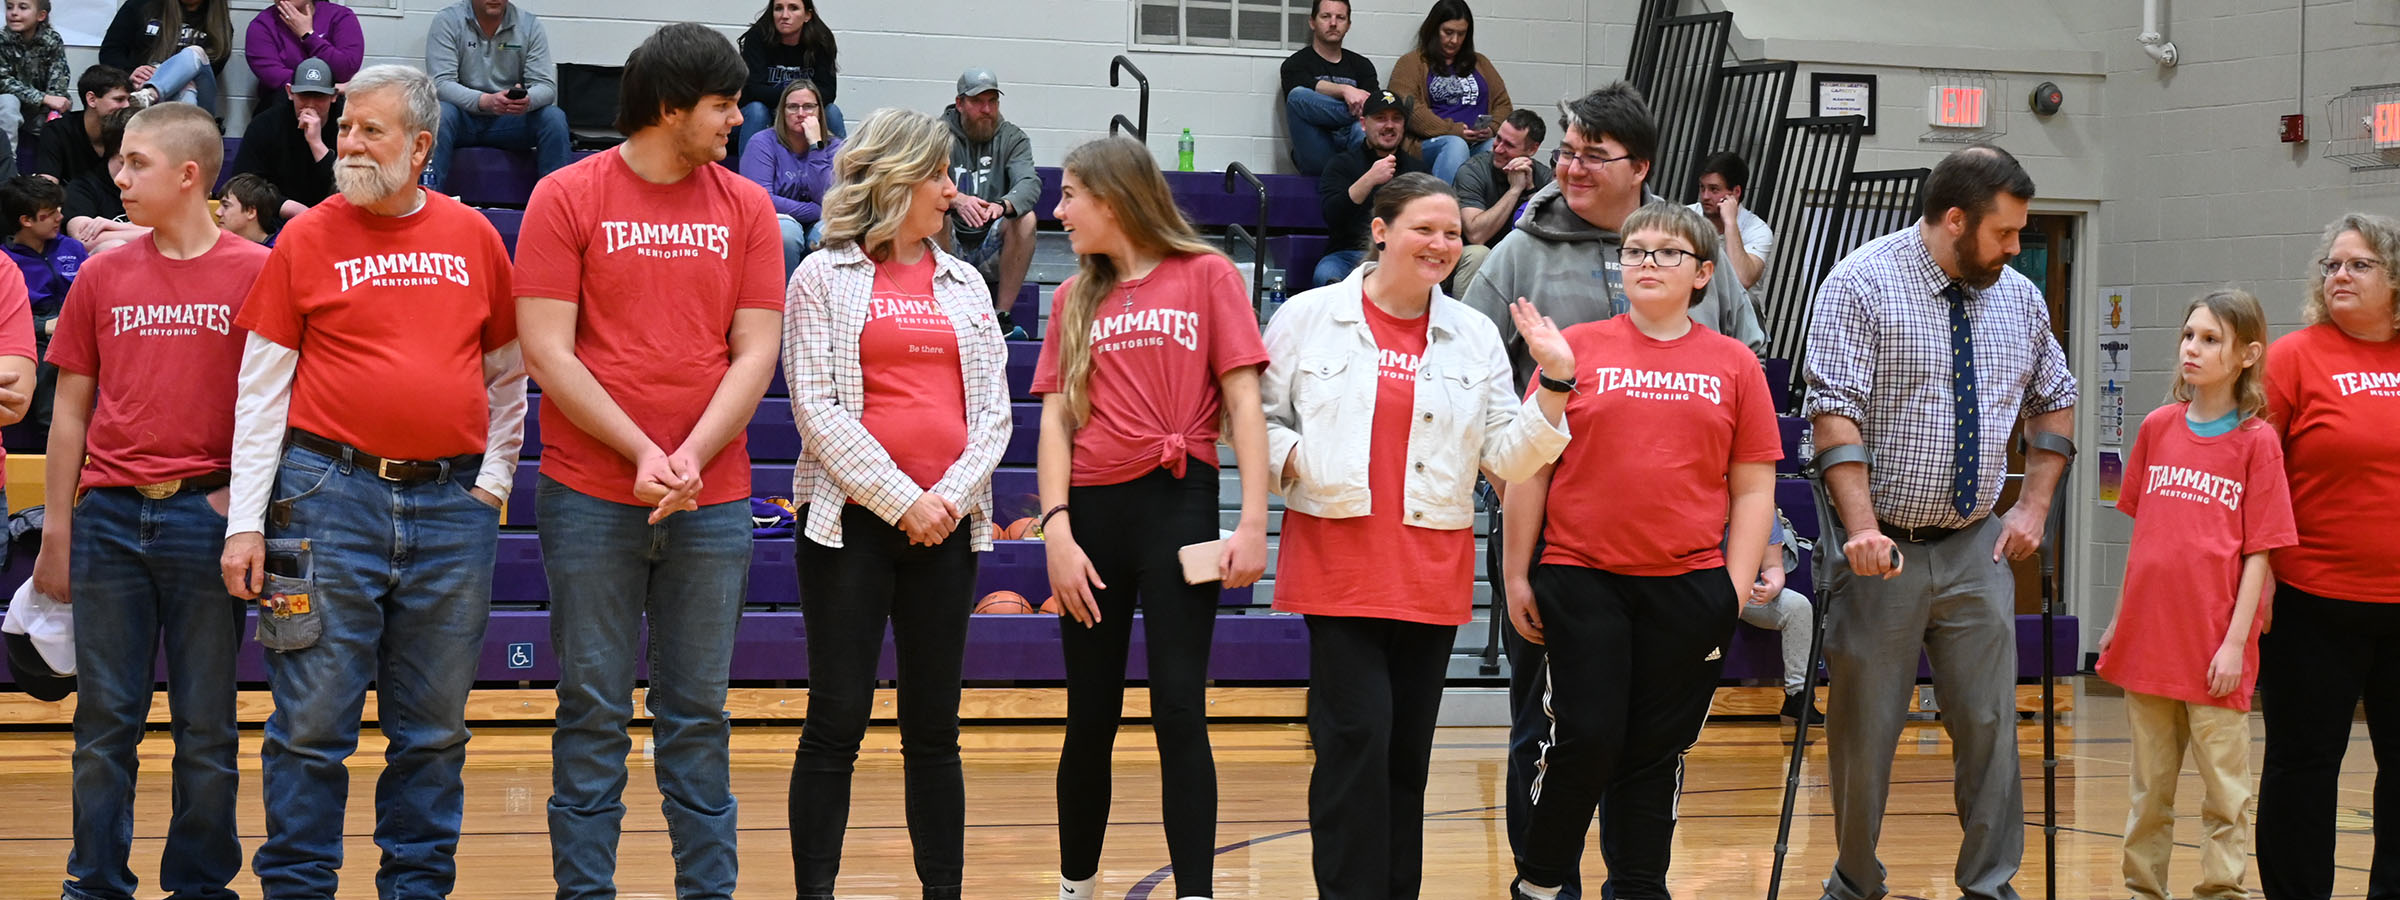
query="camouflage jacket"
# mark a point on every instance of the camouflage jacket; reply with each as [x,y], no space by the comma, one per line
[33,66]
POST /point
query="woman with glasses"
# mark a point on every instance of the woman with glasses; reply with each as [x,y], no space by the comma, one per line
[2333,390]
[1674,438]
[794,162]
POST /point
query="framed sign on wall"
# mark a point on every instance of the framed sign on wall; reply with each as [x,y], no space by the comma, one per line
[1834,94]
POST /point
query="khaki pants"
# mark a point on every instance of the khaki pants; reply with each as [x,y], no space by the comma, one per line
[2219,739]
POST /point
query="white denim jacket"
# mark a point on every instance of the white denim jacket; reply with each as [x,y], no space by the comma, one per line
[1319,391]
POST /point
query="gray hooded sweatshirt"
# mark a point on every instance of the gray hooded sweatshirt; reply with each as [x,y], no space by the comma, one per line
[1568,267]
[998,170]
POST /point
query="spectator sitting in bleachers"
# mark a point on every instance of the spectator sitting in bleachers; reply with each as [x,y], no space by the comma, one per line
[70,146]
[250,206]
[49,261]
[1493,186]
[788,43]
[33,69]
[490,59]
[1724,178]
[171,49]
[1455,95]
[288,33]
[1346,191]
[291,145]
[1325,88]
[991,220]
[95,211]
[794,162]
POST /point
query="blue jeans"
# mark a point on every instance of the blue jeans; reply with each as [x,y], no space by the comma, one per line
[756,117]
[544,131]
[1335,265]
[1320,126]
[1446,153]
[797,239]
[143,569]
[610,570]
[401,581]
[186,76]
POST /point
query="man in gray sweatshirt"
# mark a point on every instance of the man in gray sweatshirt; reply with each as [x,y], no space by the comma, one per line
[991,221]
[1563,256]
[490,62]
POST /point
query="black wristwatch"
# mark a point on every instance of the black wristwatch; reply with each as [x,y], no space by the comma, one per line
[1552,384]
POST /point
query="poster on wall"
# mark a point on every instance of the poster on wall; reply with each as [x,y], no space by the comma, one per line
[2112,477]
[81,23]
[2116,367]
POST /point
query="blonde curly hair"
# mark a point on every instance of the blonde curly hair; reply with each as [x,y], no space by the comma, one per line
[875,173]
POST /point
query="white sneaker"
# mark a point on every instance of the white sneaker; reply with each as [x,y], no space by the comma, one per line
[1087,889]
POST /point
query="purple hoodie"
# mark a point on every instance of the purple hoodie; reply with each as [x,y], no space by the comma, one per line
[795,182]
[274,52]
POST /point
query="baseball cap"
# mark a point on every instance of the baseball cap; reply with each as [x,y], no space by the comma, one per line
[313,76]
[1380,101]
[40,633]
[975,82]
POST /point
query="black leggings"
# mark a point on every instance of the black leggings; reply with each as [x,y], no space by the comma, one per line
[2322,658]
[846,596]
[1131,531]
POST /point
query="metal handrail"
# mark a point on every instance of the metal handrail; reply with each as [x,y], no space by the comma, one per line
[1141,125]
[1234,175]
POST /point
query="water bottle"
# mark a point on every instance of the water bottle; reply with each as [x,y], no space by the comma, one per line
[1183,152]
[1808,444]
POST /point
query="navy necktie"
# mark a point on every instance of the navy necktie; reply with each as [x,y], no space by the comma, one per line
[1964,487]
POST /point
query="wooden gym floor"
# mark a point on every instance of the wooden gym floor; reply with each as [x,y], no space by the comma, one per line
[1724,847]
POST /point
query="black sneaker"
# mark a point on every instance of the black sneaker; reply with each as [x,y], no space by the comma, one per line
[1796,705]
[1516,890]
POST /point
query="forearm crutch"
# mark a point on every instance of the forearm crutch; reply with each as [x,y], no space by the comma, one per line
[2046,442]
[1825,560]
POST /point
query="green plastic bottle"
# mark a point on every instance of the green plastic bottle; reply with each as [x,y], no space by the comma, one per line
[1183,152]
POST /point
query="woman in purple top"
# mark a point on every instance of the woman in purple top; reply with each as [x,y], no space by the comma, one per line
[289,31]
[1450,89]
[794,162]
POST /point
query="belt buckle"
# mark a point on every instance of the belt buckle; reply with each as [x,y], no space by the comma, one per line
[383,470]
[161,490]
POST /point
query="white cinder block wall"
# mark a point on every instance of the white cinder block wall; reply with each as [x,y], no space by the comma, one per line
[1052,57]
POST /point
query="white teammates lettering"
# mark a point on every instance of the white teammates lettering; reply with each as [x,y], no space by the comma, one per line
[2380,384]
[1650,385]
[1147,328]
[885,307]
[670,239]
[1398,365]
[167,319]
[404,270]
[2193,484]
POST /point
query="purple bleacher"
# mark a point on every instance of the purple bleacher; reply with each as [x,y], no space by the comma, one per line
[1799,505]
[1297,254]
[1022,355]
[1779,384]
[507,222]
[490,176]
[1791,427]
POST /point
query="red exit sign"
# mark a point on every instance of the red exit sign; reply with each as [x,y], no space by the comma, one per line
[2386,126]
[1955,107]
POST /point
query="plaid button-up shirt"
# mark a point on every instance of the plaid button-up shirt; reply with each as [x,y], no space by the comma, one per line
[840,462]
[1879,355]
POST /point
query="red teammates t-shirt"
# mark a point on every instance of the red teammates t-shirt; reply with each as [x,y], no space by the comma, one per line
[157,336]
[1159,344]
[2335,398]
[1377,565]
[656,271]
[392,316]
[2199,505]
[916,398]
[1658,424]
[16,327]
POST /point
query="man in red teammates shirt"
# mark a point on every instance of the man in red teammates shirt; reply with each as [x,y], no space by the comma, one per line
[381,406]
[141,433]
[650,284]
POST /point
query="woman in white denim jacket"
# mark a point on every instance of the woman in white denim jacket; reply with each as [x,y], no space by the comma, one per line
[1384,398]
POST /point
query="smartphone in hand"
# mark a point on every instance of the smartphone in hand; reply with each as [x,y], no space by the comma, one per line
[515,93]
[1200,561]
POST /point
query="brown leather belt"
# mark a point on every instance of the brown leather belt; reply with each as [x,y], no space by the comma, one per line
[1922,535]
[198,484]
[402,471]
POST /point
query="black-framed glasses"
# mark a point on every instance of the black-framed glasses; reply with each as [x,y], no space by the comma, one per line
[1590,162]
[2360,267]
[1663,257]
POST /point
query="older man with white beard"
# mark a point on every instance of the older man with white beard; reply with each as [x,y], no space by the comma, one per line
[368,475]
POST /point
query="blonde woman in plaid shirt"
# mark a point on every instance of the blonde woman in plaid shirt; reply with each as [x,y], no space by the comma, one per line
[896,367]
[1153,348]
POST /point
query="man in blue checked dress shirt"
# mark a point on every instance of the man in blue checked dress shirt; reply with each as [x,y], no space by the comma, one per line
[1927,348]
